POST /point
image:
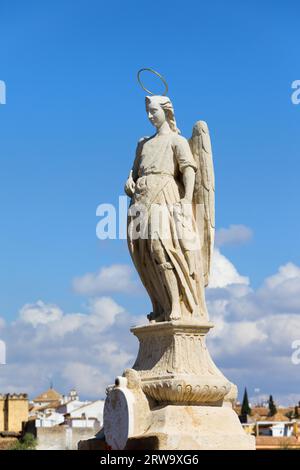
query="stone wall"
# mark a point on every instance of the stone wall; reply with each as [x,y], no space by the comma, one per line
[62,437]
[2,413]
[7,442]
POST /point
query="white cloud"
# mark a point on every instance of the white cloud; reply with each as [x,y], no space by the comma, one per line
[90,380]
[87,350]
[115,278]
[254,332]
[103,312]
[40,313]
[224,273]
[287,272]
[233,235]
[239,336]
[282,330]
[281,292]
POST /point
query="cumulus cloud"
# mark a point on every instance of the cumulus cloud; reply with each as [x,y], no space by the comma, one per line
[224,273]
[233,235]
[2,323]
[254,332]
[241,335]
[40,313]
[86,350]
[287,272]
[115,278]
[280,292]
[90,380]
[100,313]
[103,312]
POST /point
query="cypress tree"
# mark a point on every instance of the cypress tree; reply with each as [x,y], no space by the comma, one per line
[246,410]
[272,407]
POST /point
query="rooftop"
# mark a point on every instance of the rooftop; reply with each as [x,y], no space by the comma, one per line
[48,396]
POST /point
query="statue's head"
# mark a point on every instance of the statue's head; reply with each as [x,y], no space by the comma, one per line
[160,109]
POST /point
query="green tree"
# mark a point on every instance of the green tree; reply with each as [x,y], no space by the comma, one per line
[246,410]
[289,414]
[272,407]
[27,442]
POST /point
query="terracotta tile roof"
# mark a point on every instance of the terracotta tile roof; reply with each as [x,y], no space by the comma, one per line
[260,411]
[269,442]
[51,405]
[261,415]
[279,416]
[48,396]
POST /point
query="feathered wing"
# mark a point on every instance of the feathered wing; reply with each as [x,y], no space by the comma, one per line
[204,193]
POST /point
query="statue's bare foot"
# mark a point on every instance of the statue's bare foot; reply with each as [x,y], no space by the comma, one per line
[174,315]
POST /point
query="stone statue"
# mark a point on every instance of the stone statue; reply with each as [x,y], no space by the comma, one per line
[173,258]
[174,397]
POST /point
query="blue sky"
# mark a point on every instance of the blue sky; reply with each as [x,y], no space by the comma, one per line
[74,113]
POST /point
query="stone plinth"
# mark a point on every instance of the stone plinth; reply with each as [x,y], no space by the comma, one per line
[180,427]
[175,366]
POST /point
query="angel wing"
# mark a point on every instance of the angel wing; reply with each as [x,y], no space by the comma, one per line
[204,193]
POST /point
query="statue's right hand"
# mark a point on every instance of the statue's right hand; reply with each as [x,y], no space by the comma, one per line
[130,186]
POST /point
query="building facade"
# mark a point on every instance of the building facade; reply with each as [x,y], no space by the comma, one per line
[13,412]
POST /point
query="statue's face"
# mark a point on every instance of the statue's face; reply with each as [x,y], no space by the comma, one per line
[156,114]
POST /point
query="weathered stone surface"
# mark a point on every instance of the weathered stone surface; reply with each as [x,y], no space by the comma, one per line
[175,365]
[182,427]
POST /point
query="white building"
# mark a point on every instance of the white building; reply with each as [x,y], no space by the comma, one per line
[48,419]
[51,409]
[91,423]
[71,405]
[273,428]
[282,429]
[90,410]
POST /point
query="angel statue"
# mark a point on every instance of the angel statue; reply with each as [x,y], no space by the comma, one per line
[176,176]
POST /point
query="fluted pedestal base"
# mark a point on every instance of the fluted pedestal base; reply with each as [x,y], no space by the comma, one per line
[175,366]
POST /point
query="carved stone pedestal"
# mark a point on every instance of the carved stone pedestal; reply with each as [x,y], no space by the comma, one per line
[175,366]
[174,397]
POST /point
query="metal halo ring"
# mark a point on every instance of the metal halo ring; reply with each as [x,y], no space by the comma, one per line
[158,75]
